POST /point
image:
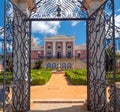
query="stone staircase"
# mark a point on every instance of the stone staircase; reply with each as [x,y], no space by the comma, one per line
[80,63]
[76,63]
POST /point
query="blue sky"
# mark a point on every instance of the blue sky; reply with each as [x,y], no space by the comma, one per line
[69,28]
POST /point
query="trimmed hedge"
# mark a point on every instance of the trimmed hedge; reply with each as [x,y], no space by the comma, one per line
[40,77]
[77,77]
[9,77]
[109,77]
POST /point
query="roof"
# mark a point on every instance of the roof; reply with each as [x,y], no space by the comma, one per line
[80,47]
[37,47]
[59,37]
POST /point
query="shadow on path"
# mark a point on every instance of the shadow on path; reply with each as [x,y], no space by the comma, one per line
[75,108]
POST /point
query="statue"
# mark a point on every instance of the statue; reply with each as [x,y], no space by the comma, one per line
[59,67]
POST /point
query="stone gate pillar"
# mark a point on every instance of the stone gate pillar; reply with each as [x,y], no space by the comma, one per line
[96,55]
[21,57]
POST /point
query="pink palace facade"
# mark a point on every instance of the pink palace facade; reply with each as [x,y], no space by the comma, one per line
[59,50]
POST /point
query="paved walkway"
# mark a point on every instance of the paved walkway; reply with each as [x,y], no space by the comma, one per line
[59,90]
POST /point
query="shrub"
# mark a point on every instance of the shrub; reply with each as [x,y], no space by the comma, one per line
[38,65]
[109,77]
[77,77]
[82,72]
[40,77]
[9,77]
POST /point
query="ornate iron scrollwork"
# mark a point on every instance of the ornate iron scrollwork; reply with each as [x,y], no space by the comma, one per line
[1,31]
[17,48]
[101,59]
[8,37]
[59,9]
[16,59]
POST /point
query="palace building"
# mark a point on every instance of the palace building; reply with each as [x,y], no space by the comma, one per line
[59,51]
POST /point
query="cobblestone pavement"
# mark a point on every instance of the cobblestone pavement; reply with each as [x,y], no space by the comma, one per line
[58,89]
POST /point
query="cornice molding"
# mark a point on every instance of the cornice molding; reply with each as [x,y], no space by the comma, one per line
[30,3]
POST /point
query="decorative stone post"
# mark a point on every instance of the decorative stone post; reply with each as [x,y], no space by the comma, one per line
[94,5]
[96,49]
[21,57]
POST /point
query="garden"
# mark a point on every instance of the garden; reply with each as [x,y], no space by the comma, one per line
[42,76]
[77,77]
[38,76]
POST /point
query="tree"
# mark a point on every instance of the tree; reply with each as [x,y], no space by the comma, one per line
[38,65]
[109,58]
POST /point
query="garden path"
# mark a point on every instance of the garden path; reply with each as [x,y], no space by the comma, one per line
[58,92]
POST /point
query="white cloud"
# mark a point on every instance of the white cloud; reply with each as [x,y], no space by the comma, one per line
[117,23]
[50,27]
[74,23]
[117,20]
[37,41]
[118,10]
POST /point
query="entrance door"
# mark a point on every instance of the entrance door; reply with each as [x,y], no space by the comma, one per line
[69,54]
[58,55]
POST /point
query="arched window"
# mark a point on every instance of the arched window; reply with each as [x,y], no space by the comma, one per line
[79,55]
[48,65]
[54,65]
[69,47]
[69,65]
[64,66]
[59,47]
[39,55]
[49,47]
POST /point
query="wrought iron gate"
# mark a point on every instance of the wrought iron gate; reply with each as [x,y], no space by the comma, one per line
[16,59]
[101,59]
[17,46]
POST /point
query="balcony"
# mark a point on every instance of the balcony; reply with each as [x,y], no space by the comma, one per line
[56,57]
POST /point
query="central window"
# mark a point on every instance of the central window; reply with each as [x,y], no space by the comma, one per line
[78,55]
[59,47]
[69,54]
[49,55]
[69,47]
[59,55]
[49,47]
[39,55]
